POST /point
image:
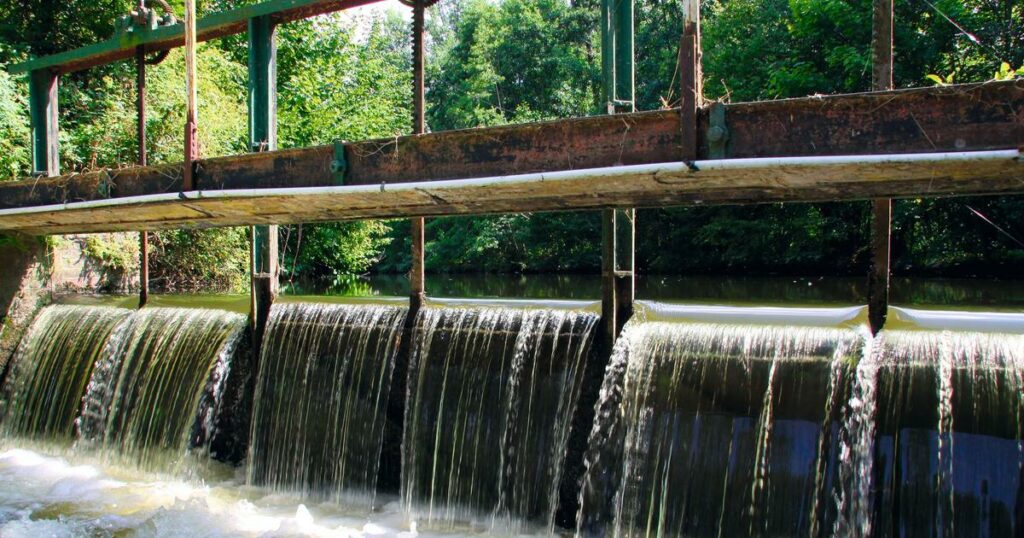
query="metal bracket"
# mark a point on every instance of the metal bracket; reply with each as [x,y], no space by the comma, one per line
[339,166]
[718,134]
[146,19]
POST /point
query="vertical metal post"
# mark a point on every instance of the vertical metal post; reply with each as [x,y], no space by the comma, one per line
[608,55]
[417,276]
[43,108]
[691,92]
[191,135]
[618,226]
[140,105]
[625,73]
[262,137]
[617,55]
[881,209]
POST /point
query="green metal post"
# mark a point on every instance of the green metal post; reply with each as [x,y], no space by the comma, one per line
[262,84]
[618,225]
[624,71]
[608,55]
[43,109]
[263,137]
[617,55]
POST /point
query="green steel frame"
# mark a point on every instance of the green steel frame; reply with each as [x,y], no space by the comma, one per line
[234,21]
[618,226]
[617,54]
[43,111]
[262,90]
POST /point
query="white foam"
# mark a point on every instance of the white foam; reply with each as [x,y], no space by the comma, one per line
[42,495]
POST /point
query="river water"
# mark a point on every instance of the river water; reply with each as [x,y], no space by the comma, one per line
[970,294]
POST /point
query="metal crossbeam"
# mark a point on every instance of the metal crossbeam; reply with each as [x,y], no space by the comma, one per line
[234,21]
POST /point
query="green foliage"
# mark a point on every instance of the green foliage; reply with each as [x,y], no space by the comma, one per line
[518,60]
[209,260]
[99,123]
[1006,72]
[334,249]
[14,143]
[116,252]
[335,87]
[946,236]
[491,63]
[513,243]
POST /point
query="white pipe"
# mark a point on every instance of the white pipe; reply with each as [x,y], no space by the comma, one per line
[567,175]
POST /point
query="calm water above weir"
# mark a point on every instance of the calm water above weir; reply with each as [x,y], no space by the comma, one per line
[674,288]
[509,414]
[979,294]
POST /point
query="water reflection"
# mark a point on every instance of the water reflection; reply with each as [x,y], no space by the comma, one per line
[735,290]
[678,288]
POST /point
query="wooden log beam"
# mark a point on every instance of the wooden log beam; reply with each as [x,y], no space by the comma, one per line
[225,23]
[670,184]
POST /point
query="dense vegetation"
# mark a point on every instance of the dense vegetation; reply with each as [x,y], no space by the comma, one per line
[348,77]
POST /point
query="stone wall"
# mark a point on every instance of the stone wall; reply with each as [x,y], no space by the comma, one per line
[24,288]
[75,272]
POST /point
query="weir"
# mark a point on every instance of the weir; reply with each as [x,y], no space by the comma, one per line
[708,420]
[510,417]
[492,397]
[949,450]
[708,429]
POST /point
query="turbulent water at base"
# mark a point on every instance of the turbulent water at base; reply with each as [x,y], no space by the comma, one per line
[321,398]
[491,396]
[152,387]
[717,430]
[43,392]
[47,496]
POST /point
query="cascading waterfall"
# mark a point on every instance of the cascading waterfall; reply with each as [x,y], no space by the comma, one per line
[48,376]
[717,429]
[710,421]
[950,448]
[159,368]
[854,500]
[321,400]
[491,397]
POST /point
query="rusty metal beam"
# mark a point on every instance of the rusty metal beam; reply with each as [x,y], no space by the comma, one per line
[881,208]
[234,21]
[140,107]
[417,269]
[954,118]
